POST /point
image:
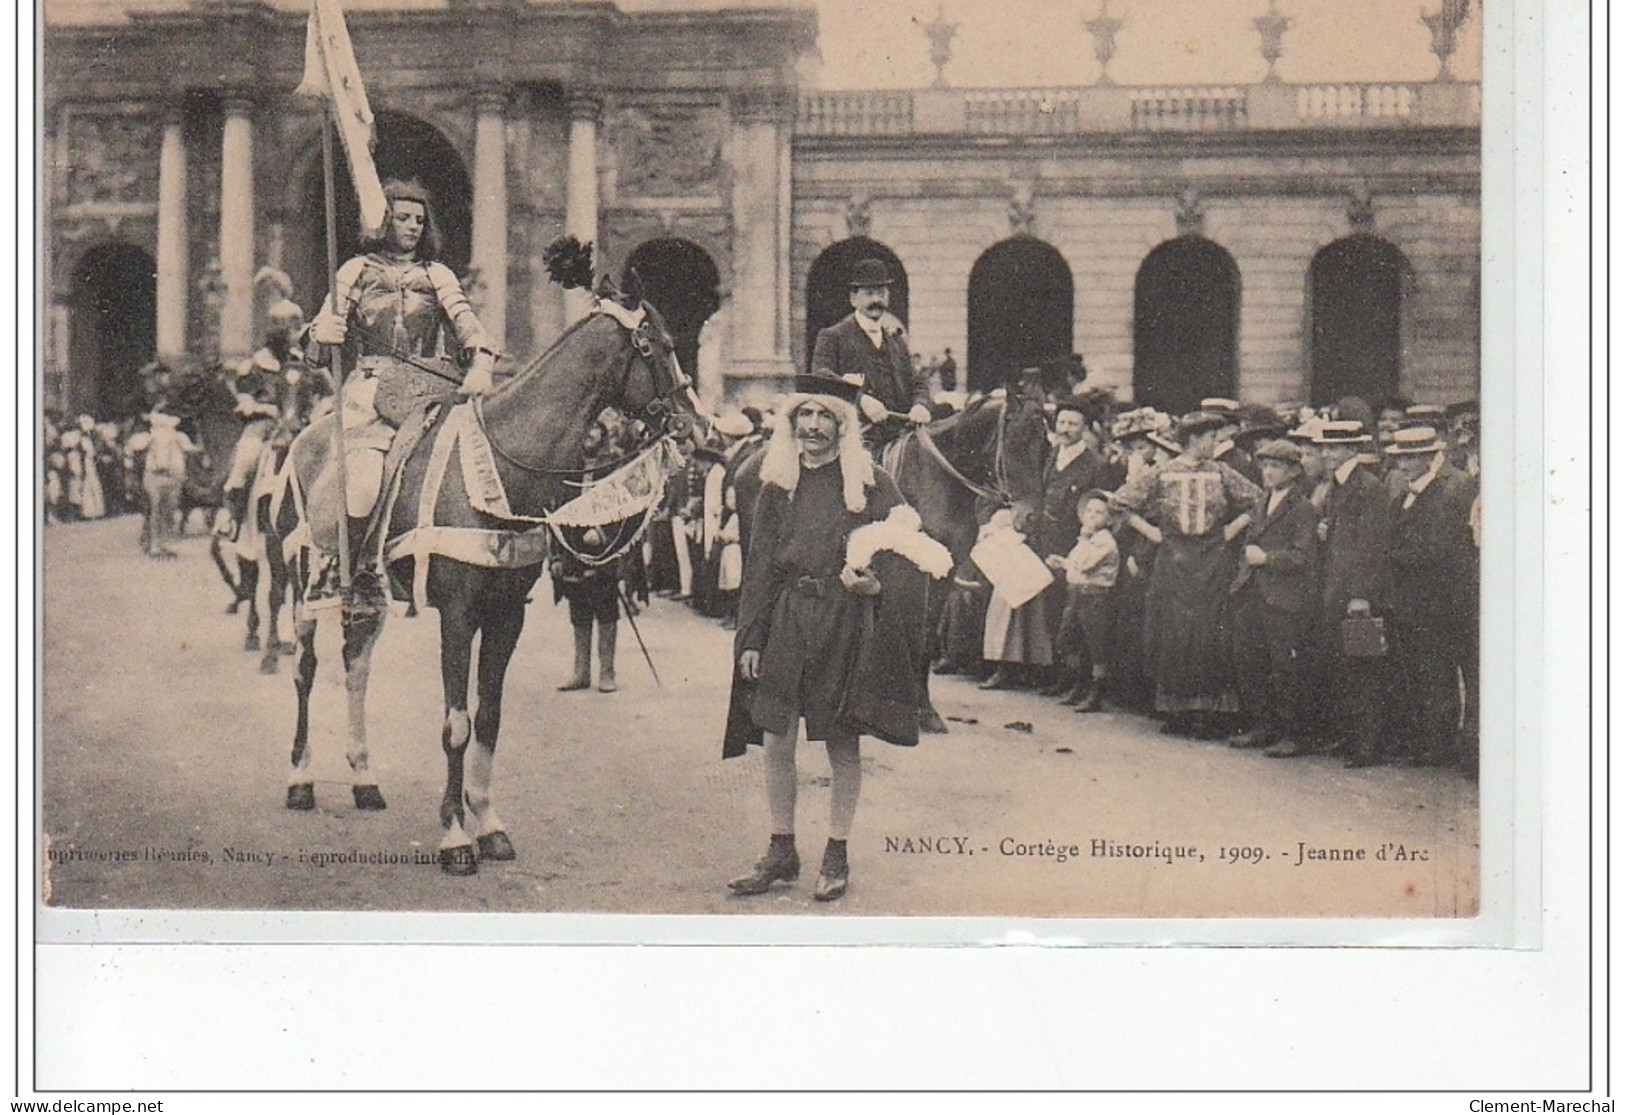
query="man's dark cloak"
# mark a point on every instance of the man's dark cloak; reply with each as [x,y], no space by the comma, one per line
[881,641]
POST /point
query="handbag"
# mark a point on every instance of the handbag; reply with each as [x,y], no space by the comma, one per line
[1364,637]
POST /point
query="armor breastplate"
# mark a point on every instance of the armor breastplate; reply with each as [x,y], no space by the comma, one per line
[397,309]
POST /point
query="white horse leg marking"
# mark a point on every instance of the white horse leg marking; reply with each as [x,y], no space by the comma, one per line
[477,792]
[459,729]
[357,671]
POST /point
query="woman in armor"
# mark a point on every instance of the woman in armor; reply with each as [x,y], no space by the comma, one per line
[390,309]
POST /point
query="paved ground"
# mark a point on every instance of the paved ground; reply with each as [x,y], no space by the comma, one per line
[162,740]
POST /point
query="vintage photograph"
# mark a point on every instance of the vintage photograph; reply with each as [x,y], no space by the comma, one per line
[680,457]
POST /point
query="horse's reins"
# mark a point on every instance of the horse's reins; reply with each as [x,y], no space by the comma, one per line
[999,495]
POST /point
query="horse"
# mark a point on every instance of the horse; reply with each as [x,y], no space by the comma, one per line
[968,464]
[207,407]
[257,561]
[531,431]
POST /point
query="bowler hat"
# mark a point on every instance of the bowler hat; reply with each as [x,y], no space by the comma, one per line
[869,272]
[845,388]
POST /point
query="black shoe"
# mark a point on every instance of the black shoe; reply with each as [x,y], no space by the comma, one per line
[1285,749]
[832,873]
[1055,688]
[999,679]
[1258,737]
[778,866]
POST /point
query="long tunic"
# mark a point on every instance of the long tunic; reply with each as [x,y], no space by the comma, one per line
[1187,631]
[793,608]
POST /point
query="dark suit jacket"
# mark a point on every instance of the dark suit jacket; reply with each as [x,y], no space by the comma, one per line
[1286,580]
[1242,461]
[1354,560]
[1433,560]
[1058,527]
[888,372]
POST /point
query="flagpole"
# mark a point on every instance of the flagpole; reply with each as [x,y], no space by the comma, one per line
[336,353]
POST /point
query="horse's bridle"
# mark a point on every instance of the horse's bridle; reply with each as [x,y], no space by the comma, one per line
[661,416]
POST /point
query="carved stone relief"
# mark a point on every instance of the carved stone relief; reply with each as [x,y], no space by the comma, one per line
[1190,218]
[1362,214]
[859,218]
[667,151]
[620,231]
[112,158]
[1023,211]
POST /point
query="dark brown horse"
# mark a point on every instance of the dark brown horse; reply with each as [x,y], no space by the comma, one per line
[533,425]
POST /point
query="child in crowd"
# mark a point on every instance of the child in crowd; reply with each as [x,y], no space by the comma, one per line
[1086,624]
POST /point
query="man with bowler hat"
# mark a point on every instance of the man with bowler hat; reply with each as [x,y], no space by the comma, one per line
[870,343]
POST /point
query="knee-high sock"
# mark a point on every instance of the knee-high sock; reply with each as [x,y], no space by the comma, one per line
[846,780]
[780,767]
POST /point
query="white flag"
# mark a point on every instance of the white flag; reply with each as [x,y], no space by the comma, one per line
[331,73]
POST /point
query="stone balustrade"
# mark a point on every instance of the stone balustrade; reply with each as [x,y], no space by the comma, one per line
[1088,109]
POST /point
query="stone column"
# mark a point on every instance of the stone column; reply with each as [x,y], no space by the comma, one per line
[172,261]
[581,198]
[760,218]
[490,248]
[237,230]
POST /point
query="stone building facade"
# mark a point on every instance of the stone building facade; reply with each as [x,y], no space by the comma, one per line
[1273,241]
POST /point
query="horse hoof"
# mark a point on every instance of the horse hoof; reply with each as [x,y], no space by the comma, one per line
[251,642]
[496,846]
[268,664]
[367,797]
[302,796]
[931,723]
[231,609]
[459,860]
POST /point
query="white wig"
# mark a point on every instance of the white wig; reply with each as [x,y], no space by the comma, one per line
[781,466]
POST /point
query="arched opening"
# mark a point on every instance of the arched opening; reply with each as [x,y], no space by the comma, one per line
[1020,310]
[827,295]
[112,331]
[680,280]
[1356,304]
[407,148]
[1187,309]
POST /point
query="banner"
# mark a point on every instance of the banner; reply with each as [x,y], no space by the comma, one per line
[331,74]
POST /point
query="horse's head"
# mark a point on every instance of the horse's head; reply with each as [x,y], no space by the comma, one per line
[655,390]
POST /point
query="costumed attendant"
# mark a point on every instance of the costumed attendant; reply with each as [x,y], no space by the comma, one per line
[819,639]
[593,590]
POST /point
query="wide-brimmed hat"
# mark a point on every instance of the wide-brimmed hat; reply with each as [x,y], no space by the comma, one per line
[734,425]
[1258,422]
[869,272]
[846,388]
[1308,433]
[1140,422]
[1161,440]
[1415,440]
[1278,450]
[1342,433]
[1201,421]
[1229,408]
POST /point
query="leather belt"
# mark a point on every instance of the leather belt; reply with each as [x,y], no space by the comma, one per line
[810,586]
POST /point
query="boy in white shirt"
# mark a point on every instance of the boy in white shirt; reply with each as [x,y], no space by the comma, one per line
[1086,625]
